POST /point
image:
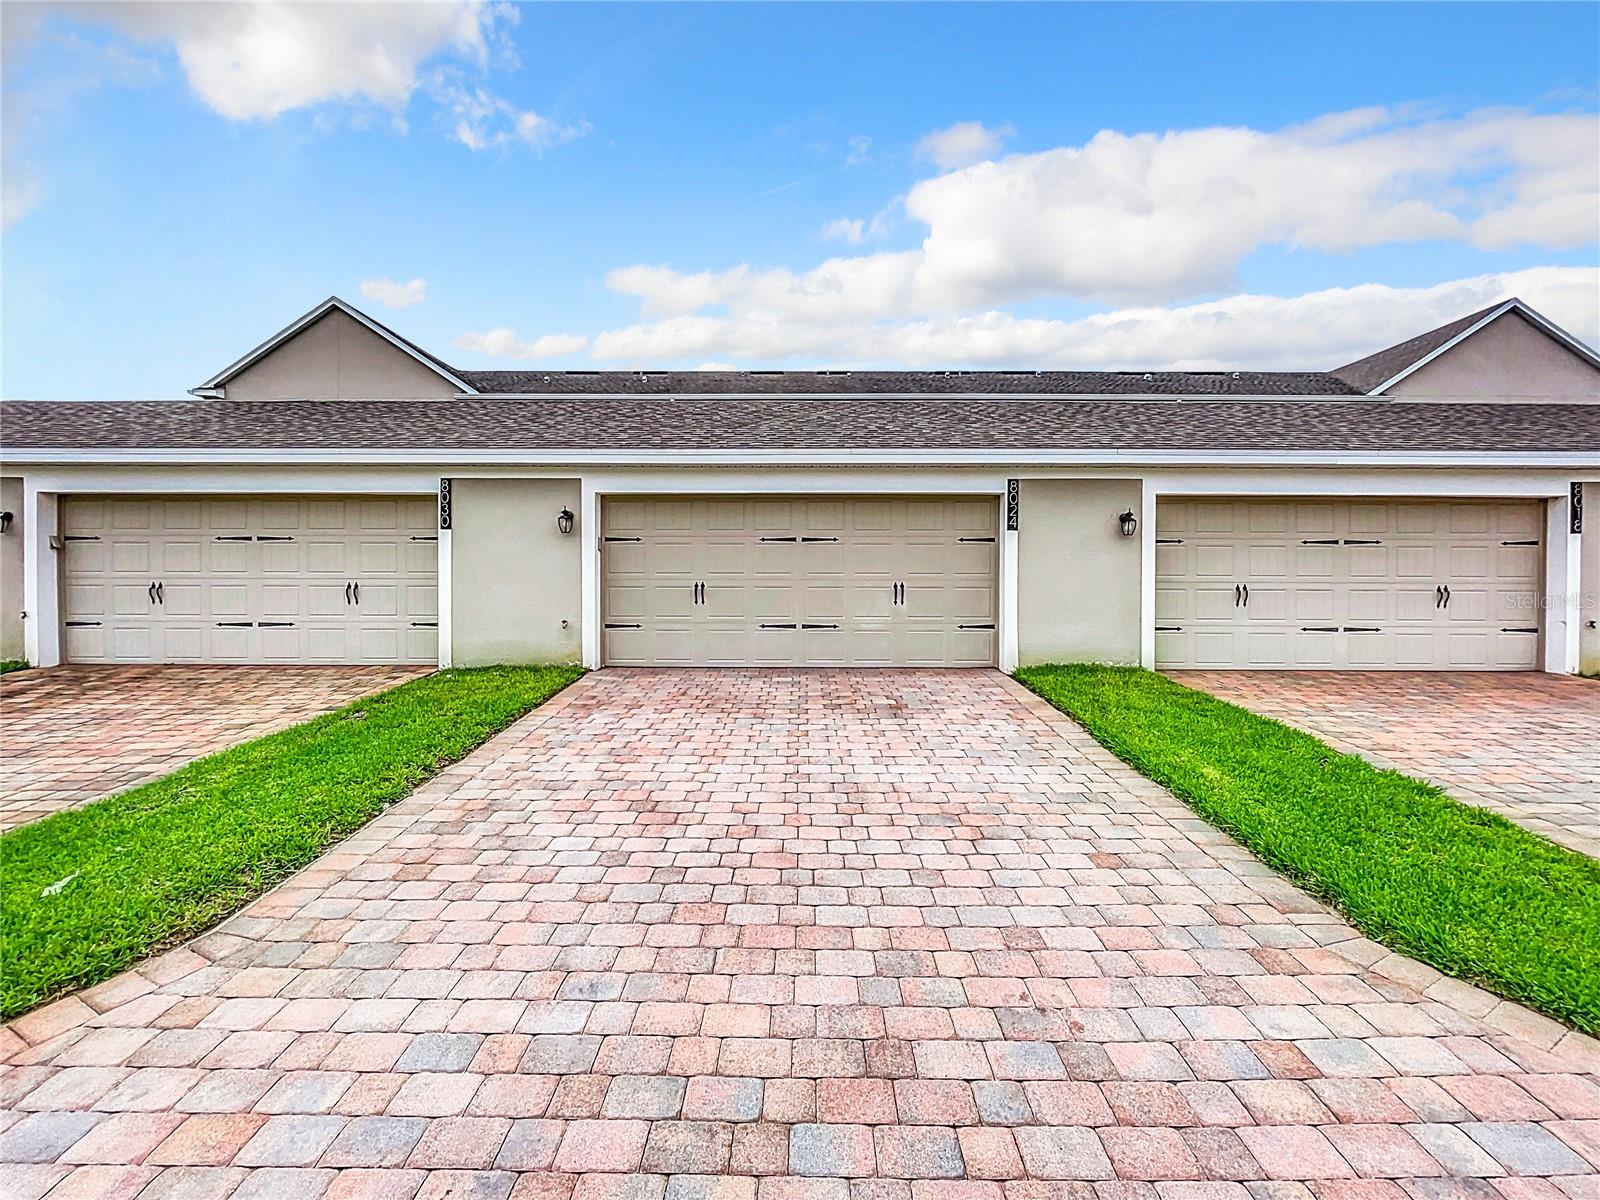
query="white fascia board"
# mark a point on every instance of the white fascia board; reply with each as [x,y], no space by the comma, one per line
[211,388]
[1022,459]
[953,397]
[1544,323]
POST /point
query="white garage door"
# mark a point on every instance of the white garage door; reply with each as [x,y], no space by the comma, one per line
[250,580]
[799,582]
[1367,585]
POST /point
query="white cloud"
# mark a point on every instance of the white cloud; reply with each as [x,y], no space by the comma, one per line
[844,229]
[395,295]
[20,193]
[962,144]
[860,149]
[260,59]
[1318,330]
[483,121]
[1156,218]
[504,343]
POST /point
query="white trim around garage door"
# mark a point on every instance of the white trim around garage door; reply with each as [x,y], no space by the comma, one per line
[1561,614]
[43,491]
[596,486]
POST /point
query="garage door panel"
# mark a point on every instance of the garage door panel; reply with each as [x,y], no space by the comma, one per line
[1407,584]
[181,599]
[131,556]
[1211,561]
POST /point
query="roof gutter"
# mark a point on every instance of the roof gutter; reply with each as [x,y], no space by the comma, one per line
[1533,459]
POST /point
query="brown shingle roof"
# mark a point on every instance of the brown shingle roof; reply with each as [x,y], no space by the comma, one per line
[620,424]
[909,383]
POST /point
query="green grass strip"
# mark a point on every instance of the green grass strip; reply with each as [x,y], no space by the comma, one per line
[88,892]
[1459,888]
[12,664]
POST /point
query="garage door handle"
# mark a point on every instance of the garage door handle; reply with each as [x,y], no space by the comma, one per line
[1236,595]
[347,593]
[355,590]
[152,590]
[161,592]
[805,625]
[1247,595]
[779,625]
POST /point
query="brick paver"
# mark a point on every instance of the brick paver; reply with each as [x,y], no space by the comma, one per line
[74,734]
[783,935]
[1526,746]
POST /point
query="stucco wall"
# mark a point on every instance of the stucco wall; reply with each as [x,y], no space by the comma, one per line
[1589,569]
[1508,360]
[1077,576]
[12,644]
[514,577]
[338,358]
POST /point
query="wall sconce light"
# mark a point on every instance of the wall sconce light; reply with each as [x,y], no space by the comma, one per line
[1129,523]
[564,520]
[5,522]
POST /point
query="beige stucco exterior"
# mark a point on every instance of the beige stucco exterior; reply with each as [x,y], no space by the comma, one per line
[338,358]
[515,579]
[12,644]
[1078,577]
[1507,361]
[1589,572]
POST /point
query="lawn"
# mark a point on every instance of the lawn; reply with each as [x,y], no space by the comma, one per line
[1459,888]
[88,892]
[12,664]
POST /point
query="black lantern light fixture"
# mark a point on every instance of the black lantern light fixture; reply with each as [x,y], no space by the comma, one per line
[1129,523]
[564,519]
[5,522]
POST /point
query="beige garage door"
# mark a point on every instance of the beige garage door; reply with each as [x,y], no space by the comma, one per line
[1366,585]
[799,582]
[250,580]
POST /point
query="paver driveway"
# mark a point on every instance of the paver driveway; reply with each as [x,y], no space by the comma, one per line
[907,936]
[1526,746]
[74,734]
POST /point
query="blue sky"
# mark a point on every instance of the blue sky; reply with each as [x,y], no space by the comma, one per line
[617,185]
